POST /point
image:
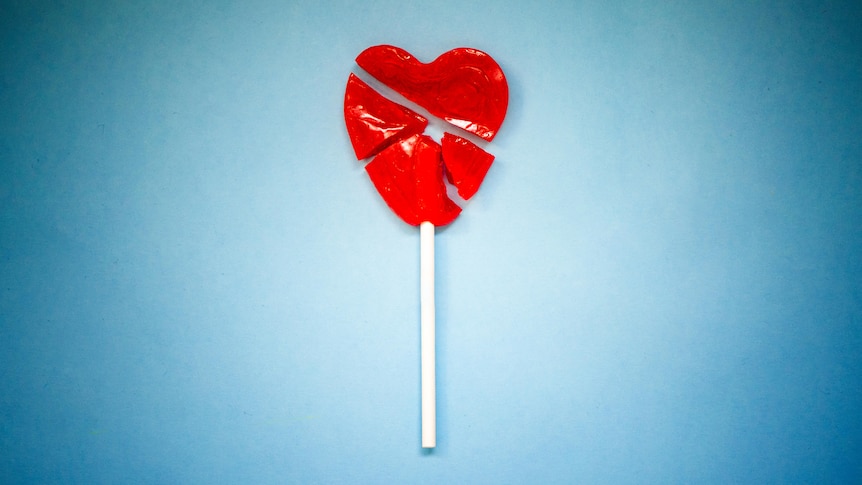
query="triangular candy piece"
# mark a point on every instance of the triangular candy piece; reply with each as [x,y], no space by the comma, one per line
[374,122]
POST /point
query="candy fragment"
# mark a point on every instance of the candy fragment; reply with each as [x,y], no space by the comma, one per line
[466,164]
[465,87]
[373,122]
[409,176]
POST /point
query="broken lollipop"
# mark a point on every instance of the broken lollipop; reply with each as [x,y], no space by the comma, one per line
[464,87]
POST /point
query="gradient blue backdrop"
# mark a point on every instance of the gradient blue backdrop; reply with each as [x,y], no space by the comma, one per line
[659,282]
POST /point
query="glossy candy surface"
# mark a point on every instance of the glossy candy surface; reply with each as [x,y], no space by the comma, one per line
[466,164]
[374,122]
[409,177]
[465,87]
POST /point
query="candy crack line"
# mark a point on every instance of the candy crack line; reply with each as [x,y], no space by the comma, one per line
[436,127]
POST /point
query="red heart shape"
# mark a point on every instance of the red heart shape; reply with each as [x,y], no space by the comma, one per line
[466,87]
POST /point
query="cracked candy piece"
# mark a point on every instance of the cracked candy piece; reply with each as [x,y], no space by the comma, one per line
[466,164]
[465,87]
[409,176]
[374,122]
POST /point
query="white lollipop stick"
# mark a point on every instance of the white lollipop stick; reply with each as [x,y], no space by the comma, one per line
[426,330]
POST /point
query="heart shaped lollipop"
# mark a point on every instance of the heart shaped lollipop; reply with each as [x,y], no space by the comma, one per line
[465,87]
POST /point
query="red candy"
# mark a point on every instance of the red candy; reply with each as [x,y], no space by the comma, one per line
[466,164]
[465,87]
[409,177]
[374,122]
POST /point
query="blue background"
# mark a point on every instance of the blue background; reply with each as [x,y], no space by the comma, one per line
[659,282]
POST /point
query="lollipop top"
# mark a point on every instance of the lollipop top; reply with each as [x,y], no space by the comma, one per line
[465,87]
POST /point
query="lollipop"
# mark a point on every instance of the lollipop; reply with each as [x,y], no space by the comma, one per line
[464,87]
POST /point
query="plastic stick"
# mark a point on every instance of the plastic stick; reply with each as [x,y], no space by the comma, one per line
[427,330]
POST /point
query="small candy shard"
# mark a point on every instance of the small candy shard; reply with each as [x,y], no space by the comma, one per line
[466,164]
[409,176]
[374,122]
[465,87]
